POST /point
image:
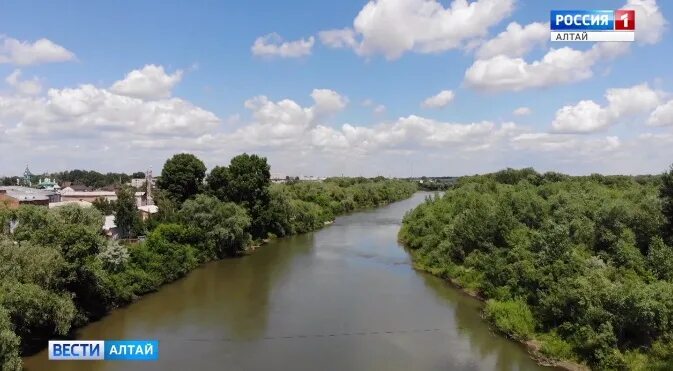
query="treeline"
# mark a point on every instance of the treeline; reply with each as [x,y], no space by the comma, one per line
[579,267]
[58,271]
[94,179]
[87,178]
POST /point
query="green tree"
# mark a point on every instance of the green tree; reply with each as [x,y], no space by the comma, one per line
[666,194]
[182,176]
[103,205]
[127,217]
[223,226]
[9,344]
[246,182]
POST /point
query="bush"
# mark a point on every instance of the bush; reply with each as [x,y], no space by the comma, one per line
[512,317]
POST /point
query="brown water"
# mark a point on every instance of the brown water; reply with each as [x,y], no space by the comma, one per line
[343,298]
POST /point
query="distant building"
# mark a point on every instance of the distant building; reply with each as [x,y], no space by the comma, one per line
[27,175]
[138,182]
[17,195]
[49,184]
[110,227]
[147,211]
[67,194]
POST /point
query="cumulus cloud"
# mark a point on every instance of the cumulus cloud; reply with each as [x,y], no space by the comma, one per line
[522,111]
[565,143]
[500,65]
[273,45]
[650,21]
[662,115]
[24,53]
[515,41]
[150,82]
[24,87]
[559,66]
[343,38]
[588,116]
[92,112]
[393,27]
[439,100]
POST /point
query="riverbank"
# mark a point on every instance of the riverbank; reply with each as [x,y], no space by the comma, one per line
[573,264]
[172,250]
[341,298]
[532,346]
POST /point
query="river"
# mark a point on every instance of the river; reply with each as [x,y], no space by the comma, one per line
[342,298]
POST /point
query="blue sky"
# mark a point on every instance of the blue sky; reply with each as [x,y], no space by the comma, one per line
[207,47]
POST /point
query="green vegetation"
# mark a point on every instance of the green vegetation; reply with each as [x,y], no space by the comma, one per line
[59,272]
[581,265]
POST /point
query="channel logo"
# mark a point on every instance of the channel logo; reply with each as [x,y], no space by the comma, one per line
[103,350]
[593,25]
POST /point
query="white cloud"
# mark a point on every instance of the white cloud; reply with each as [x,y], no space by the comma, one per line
[522,111]
[343,38]
[585,116]
[393,27]
[500,67]
[441,99]
[379,109]
[100,114]
[565,143]
[328,101]
[273,45]
[662,115]
[559,66]
[24,87]
[515,41]
[588,116]
[25,53]
[650,22]
[150,82]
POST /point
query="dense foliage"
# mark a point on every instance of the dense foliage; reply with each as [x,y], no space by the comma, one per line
[59,272]
[182,176]
[576,264]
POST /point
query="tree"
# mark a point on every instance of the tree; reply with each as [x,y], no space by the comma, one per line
[104,205]
[246,182]
[126,213]
[222,226]
[138,175]
[182,176]
[666,194]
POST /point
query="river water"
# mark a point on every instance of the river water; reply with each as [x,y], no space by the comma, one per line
[343,298]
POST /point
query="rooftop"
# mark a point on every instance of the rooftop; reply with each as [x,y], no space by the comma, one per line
[26,194]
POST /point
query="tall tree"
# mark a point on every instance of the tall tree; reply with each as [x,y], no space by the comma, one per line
[666,194]
[222,226]
[182,176]
[246,182]
[126,213]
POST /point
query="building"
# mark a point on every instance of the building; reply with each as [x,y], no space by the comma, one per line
[67,194]
[49,184]
[110,227]
[147,211]
[17,195]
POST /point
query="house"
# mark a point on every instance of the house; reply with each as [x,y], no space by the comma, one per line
[17,195]
[71,195]
[48,184]
[147,211]
[110,228]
